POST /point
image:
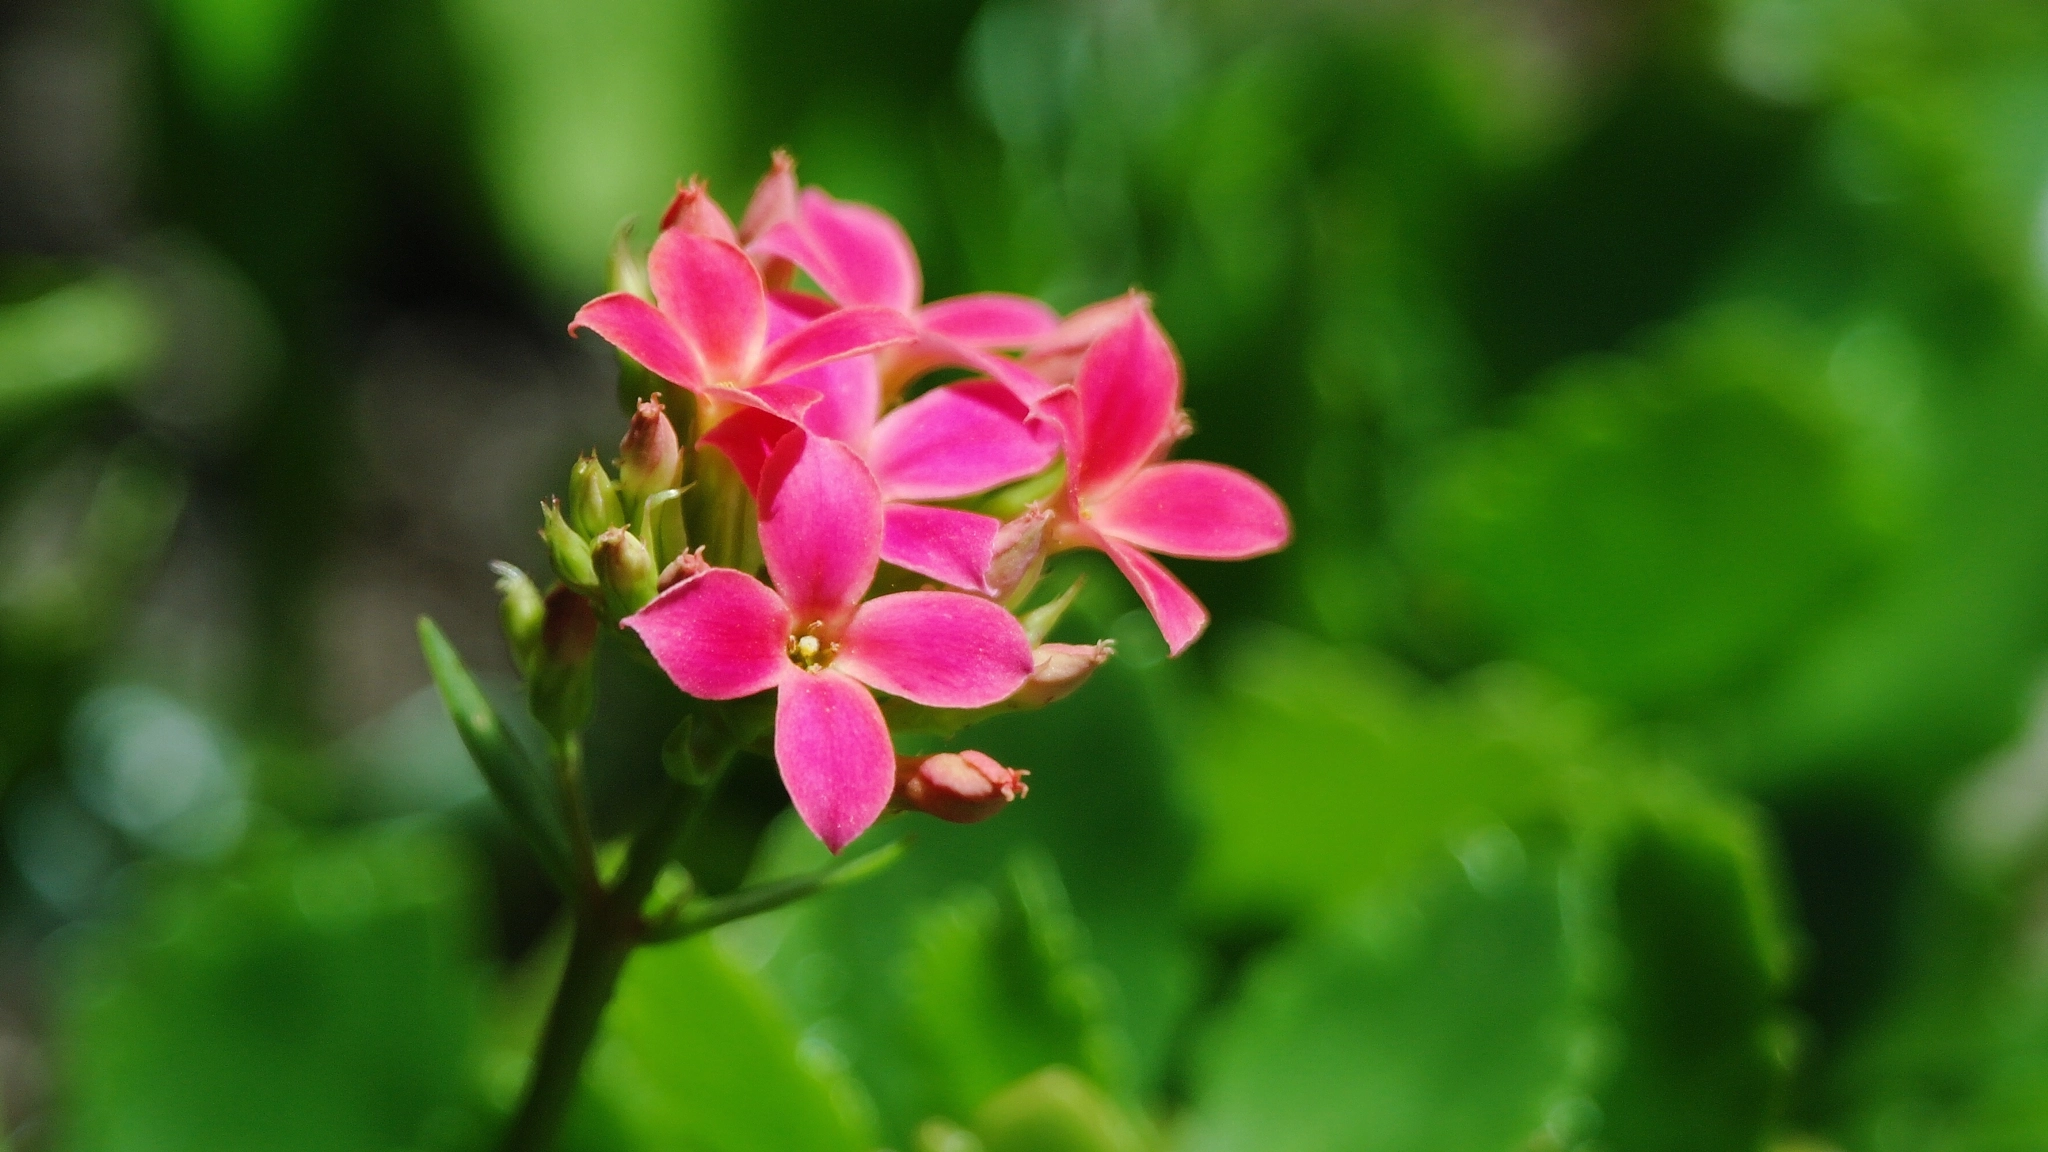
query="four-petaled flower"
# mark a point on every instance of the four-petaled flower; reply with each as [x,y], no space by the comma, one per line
[723,634]
[707,329]
[1119,417]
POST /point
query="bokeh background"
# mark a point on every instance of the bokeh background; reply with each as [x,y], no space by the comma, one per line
[1643,746]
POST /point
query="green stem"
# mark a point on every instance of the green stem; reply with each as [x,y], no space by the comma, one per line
[582,846]
[607,929]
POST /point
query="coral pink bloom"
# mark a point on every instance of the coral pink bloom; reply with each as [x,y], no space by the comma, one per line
[954,441]
[861,257]
[1120,415]
[723,634]
[707,329]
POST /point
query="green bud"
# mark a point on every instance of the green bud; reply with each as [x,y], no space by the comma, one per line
[662,528]
[625,571]
[569,551]
[559,688]
[650,456]
[520,611]
[593,498]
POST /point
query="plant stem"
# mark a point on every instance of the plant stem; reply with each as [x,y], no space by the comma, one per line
[607,929]
[582,847]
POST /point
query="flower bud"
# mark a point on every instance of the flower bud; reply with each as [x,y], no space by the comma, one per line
[625,571]
[593,498]
[558,689]
[774,201]
[650,457]
[568,550]
[520,611]
[694,211]
[682,568]
[1057,670]
[961,787]
[1019,553]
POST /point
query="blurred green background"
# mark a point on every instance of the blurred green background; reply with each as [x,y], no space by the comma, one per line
[1643,746]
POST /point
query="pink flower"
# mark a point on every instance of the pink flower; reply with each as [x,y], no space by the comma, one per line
[1119,416]
[952,442]
[707,329]
[724,634]
[862,258]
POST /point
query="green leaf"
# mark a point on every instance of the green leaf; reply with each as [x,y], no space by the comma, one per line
[90,336]
[1703,1042]
[522,787]
[1000,985]
[322,998]
[1319,774]
[1056,1110]
[698,1054]
[1656,527]
[1443,1016]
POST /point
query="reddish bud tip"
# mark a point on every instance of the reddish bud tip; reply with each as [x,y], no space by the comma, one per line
[774,201]
[1058,669]
[961,787]
[683,567]
[693,210]
[568,629]
[1019,546]
[650,456]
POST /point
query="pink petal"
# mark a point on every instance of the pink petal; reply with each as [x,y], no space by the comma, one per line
[693,210]
[834,336]
[936,350]
[746,438]
[859,254]
[833,748]
[1129,384]
[850,390]
[710,290]
[1192,508]
[1055,356]
[774,200]
[719,636]
[636,328]
[789,401]
[1179,615]
[958,440]
[946,544]
[821,526]
[944,649]
[990,319]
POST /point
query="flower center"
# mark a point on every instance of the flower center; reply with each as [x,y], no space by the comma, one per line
[810,651]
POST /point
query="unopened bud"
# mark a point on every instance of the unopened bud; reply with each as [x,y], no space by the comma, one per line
[960,787]
[569,551]
[558,689]
[650,457]
[1057,670]
[694,211]
[1019,553]
[593,498]
[521,611]
[624,272]
[682,568]
[624,570]
[774,201]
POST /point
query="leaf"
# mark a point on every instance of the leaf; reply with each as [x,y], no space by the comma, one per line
[89,336]
[1444,1016]
[1000,986]
[698,1054]
[523,789]
[1655,527]
[1319,774]
[321,997]
[1704,1043]
[1056,1110]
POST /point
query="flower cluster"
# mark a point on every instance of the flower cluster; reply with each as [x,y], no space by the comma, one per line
[899,536]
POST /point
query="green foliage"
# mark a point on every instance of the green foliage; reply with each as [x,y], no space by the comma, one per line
[999,986]
[698,1054]
[320,996]
[95,334]
[1056,1110]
